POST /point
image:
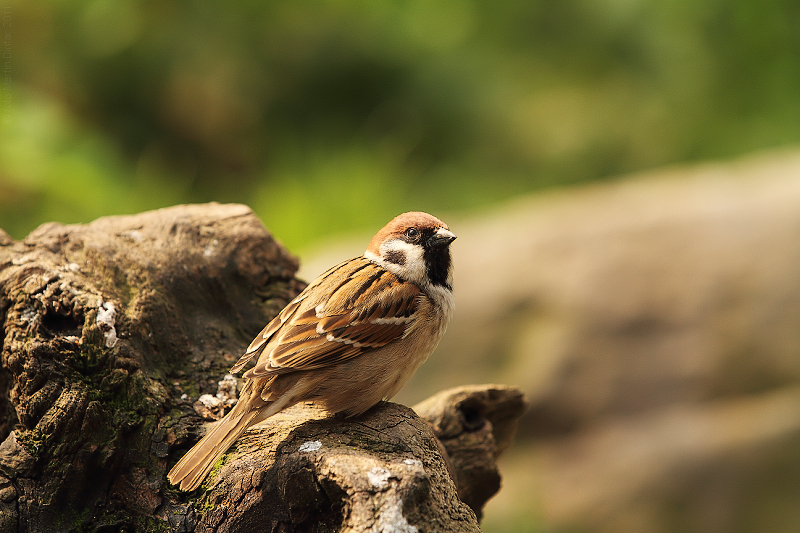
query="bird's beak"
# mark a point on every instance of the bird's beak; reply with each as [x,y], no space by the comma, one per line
[441,238]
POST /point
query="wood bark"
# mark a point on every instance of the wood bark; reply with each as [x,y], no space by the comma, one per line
[116,338]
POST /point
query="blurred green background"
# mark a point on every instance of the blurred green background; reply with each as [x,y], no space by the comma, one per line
[330,116]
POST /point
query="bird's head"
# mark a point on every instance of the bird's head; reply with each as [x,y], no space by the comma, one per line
[415,246]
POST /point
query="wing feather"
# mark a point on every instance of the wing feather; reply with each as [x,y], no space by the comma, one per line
[269,330]
[330,323]
[344,315]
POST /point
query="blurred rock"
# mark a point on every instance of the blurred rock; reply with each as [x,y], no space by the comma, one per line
[654,324]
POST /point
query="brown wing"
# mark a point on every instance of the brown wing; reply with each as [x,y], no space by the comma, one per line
[353,307]
[288,312]
[266,333]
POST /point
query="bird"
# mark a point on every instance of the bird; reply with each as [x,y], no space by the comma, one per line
[348,341]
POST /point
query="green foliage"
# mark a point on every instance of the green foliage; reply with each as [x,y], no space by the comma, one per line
[326,116]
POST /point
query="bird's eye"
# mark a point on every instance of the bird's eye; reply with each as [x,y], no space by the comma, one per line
[412,233]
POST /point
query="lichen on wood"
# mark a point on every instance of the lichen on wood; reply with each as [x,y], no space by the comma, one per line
[102,323]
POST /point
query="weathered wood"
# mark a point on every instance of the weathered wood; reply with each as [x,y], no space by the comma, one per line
[475,423]
[303,471]
[114,331]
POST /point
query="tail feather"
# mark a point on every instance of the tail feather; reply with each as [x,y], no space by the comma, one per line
[198,462]
[252,408]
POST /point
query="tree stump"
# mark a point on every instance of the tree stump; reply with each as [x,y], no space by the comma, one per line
[117,335]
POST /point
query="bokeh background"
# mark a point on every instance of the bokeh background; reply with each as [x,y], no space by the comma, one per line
[651,316]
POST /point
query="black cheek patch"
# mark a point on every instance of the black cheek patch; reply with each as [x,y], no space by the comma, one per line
[396,257]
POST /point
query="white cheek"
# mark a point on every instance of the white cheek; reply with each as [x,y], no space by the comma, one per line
[414,267]
[412,252]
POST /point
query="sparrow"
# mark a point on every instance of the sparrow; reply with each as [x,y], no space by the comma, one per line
[351,339]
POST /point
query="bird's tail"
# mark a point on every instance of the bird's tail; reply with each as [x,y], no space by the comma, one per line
[192,469]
